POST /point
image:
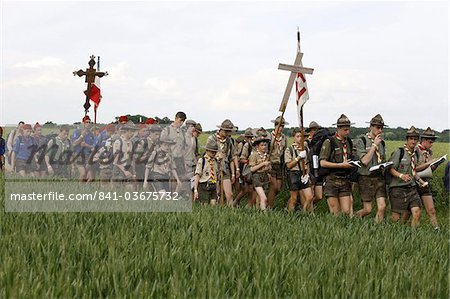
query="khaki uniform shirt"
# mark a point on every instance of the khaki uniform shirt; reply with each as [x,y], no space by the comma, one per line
[256,158]
[425,155]
[403,167]
[205,172]
[190,152]
[177,135]
[123,151]
[227,148]
[295,153]
[161,162]
[277,148]
[362,150]
[338,156]
[56,148]
[246,151]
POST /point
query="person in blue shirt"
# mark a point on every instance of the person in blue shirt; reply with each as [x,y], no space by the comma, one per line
[2,152]
[83,145]
[23,152]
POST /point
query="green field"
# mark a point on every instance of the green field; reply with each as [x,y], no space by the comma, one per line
[221,252]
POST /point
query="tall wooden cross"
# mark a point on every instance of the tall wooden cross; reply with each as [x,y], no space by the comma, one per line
[294,69]
[90,74]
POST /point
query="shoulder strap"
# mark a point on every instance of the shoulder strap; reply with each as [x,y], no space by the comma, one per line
[364,141]
[402,153]
[203,163]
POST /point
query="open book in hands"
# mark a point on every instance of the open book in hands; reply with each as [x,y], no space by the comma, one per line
[381,166]
[438,162]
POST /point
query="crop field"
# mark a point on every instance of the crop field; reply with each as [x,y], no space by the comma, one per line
[221,252]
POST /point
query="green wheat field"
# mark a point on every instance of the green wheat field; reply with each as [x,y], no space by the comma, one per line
[218,252]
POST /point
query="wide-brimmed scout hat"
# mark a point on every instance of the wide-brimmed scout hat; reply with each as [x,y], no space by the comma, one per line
[129,125]
[190,122]
[343,121]
[27,127]
[261,132]
[261,137]
[299,130]
[313,125]
[154,128]
[377,120]
[279,119]
[412,132]
[211,145]
[249,133]
[429,134]
[166,140]
[227,125]
[198,127]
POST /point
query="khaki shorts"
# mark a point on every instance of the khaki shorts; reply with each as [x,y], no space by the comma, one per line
[337,186]
[205,195]
[403,199]
[371,187]
[260,179]
[24,165]
[277,171]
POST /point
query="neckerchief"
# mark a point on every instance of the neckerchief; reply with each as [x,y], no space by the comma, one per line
[425,152]
[277,140]
[221,141]
[211,165]
[377,152]
[411,155]
[344,146]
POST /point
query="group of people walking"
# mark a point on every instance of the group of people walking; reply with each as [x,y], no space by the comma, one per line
[255,164]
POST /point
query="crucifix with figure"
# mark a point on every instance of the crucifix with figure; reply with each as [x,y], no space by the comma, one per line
[90,74]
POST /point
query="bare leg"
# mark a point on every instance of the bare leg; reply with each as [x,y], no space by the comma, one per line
[395,217]
[346,204]
[262,196]
[416,216]
[333,205]
[381,209]
[292,201]
[366,209]
[307,199]
[228,191]
[429,207]
[275,186]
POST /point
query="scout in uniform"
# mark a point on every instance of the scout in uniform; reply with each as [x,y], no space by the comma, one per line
[317,181]
[244,153]
[41,141]
[260,167]
[277,146]
[190,159]
[140,146]
[206,174]
[59,152]
[176,133]
[83,145]
[161,167]
[104,156]
[335,155]
[23,152]
[371,151]
[427,139]
[11,140]
[402,188]
[297,162]
[123,165]
[227,158]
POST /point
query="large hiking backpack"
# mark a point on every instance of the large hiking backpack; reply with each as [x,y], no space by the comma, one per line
[314,150]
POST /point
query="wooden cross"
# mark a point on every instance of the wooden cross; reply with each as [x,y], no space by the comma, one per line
[294,69]
[90,74]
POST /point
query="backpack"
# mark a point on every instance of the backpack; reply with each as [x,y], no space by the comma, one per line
[314,150]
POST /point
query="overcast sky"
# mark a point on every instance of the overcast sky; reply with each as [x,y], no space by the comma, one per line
[217,60]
